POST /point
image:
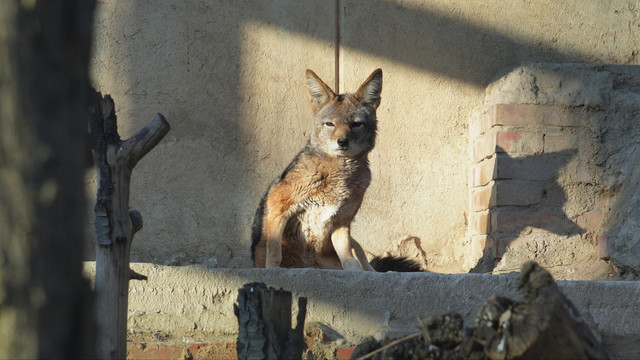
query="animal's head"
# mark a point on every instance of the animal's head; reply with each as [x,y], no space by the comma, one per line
[344,124]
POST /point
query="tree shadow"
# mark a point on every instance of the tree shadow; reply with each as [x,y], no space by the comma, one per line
[526,197]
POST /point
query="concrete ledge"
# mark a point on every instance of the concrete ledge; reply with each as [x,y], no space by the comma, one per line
[194,304]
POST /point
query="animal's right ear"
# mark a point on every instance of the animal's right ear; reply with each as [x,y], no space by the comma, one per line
[319,92]
[369,91]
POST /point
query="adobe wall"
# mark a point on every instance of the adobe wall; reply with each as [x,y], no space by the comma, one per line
[229,77]
[554,175]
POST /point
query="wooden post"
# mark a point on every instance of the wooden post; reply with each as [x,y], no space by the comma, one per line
[115,222]
[264,324]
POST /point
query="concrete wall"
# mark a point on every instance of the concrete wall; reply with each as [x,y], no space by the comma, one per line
[193,304]
[229,77]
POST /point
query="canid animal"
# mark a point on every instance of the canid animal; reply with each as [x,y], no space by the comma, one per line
[304,219]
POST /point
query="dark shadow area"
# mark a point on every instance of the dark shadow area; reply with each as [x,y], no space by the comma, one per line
[619,134]
[538,205]
[441,44]
[204,141]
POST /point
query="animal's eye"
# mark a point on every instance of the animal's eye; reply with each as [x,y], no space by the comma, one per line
[357,125]
[329,124]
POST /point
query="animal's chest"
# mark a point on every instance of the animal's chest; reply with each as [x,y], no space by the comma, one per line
[317,223]
[324,194]
[333,202]
[330,188]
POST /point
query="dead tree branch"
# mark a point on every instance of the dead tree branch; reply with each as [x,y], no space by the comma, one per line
[115,222]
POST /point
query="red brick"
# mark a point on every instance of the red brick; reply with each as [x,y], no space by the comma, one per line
[483,198]
[527,168]
[535,115]
[483,172]
[591,220]
[482,122]
[519,142]
[479,243]
[483,147]
[478,246]
[218,351]
[603,251]
[344,353]
[510,219]
[517,192]
[154,351]
[504,193]
[500,245]
[497,140]
[506,222]
[479,222]
[498,249]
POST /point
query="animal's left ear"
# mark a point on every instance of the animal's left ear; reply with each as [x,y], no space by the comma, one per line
[369,91]
[319,92]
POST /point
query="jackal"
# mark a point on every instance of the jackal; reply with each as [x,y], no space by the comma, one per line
[304,219]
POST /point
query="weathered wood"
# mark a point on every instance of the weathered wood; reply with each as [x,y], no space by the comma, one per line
[264,323]
[544,325]
[115,222]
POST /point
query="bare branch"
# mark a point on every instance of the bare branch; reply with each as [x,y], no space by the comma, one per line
[137,146]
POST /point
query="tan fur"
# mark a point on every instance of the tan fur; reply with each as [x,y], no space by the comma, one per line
[305,218]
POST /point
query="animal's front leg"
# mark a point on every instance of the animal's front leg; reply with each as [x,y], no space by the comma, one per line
[360,255]
[277,206]
[273,229]
[348,254]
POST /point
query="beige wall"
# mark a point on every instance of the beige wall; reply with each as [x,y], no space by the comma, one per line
[229,77]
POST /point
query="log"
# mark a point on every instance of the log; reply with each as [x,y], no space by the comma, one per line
[545,325]
[264,324]
[115,223]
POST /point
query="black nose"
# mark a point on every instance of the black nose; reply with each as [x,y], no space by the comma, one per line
[343,142]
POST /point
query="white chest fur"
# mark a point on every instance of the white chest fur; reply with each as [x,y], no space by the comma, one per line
[317,223]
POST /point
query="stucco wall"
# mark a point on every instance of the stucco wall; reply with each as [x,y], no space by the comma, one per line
[555,169]
[229,77]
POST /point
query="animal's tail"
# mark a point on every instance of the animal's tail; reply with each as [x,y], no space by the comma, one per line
[394,263]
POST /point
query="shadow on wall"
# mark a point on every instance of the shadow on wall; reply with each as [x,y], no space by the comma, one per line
[210,144]
[192,77]
[435,42]
[618,153]
[525,195]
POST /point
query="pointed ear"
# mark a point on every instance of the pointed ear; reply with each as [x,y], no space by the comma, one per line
[369,91]
[319,92]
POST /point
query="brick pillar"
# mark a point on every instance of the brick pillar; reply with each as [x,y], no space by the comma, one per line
[518,152]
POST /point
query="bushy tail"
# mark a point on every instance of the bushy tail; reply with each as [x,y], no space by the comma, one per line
[395,263]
